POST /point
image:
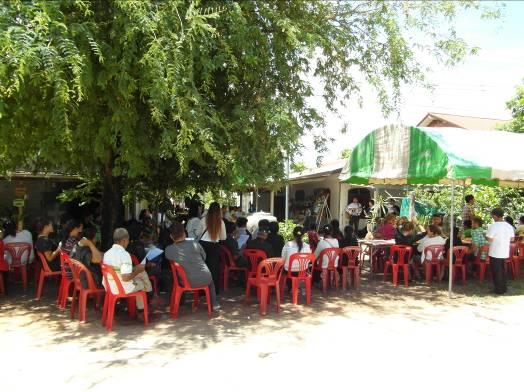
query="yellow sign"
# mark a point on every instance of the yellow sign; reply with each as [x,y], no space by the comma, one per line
[18,202]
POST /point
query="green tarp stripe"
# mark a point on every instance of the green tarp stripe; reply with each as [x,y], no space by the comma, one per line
[362,158]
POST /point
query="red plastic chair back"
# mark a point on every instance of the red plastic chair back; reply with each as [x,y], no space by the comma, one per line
[269,270]
[17,250]
[78,269]
[403,252]
[255,256]
[109,271]
[226,257]
[512,249]
[179,274]
[352,253]
[519,250]
[460,252]
[435,253]
[304,263]
[332,254]
[3,264]
[43,260]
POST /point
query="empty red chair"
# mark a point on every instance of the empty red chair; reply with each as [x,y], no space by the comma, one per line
[268,275]
[255,256]
[403,254]
[509,263]
[329,273]
[518,257]
[81,294]
[482,264]
[303,272]
[45,272]
[18,250]
[4,267]
[108,313]
[459,264]
[352,269]
[180,286]
[229,264]
[152,278]
[433,257]
[66,282]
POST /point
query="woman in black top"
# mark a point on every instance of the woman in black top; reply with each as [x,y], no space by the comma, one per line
[349,238]
[45,245]
[276,240]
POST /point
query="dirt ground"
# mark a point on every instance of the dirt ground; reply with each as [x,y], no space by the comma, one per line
[380,337]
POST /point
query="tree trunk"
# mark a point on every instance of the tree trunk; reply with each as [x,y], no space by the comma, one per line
[112,208]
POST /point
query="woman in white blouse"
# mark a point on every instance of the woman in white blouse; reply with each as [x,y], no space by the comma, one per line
[193,224]
[212,230]
[326,242]
[294,246]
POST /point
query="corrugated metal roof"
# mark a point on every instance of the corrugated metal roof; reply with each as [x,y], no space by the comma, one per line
[321,171]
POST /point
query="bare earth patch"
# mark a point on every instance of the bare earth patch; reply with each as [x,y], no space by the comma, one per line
[413,338]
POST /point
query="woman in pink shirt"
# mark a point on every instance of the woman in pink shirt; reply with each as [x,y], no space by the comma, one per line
[387,230]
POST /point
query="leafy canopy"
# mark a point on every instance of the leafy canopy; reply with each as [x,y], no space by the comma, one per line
[207,94]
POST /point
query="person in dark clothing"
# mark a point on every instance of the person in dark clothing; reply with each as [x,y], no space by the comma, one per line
[241,226]
[135,247]
[276,240]
[232,245]
[349,238]
[336,230]
[407,236]
[85,256]
[261,241]
[46,246]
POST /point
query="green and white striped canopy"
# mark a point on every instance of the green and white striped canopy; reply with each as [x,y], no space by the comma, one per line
[397,154]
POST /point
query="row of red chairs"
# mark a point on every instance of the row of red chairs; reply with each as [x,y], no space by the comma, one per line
[400,256]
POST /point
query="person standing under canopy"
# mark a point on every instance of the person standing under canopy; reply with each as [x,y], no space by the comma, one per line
[353,212]
[499,235]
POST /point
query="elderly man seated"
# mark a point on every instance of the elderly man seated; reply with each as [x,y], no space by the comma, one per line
[191,256]
[133,278]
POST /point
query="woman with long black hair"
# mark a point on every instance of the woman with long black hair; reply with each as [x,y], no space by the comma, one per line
[213,230]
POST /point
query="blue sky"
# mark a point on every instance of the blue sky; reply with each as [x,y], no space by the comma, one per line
[480,86]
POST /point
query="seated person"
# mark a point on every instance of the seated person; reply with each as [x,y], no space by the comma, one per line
[135,247]
[387,230]
[191,256]
[294,246]
[433,237]
[133,278]
[83,253]
[12,235]
[45,245]
[466,233]
[260,242]
[327,241]
[232,245]
[335,224]
[436,220]
[406,235]
[349,238]
[275,239]
[478,238]
[312,236]
[241,226]
[520,228]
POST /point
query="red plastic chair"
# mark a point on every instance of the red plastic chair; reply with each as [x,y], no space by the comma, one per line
[436,254]
[403,253]
[108,313]
[179,275]
[66,282]
[352,269]
[329,273]
[152,278]
[518,257]
[303,272]
[459,265]
[4,267]
[80,294]
[255,256]
[268,275]
[480,264]
[509,263]
[228,261]
[17,250]
[45,272]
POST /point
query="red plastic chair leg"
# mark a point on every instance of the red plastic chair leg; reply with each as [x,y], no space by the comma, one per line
[294,291]
[131,307]
[146,308]
[40,286]
[248,289]
[325,277]
[308,291]
[176,304]
[263,299]
[2,285]
[208,299]
[394,270]
[226,279]
[23,270]
[429,273]
[277,295]
[406,275]
[344,277]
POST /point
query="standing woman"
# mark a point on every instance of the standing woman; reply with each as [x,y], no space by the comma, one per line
[213,230]
[193,223]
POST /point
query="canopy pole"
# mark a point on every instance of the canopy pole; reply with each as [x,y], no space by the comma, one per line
[451,232]
[286,210]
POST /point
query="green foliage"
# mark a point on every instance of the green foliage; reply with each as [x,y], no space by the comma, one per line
[193,93]
[298,167]
[345,154]
[486,198]
[286,229]
[516,105]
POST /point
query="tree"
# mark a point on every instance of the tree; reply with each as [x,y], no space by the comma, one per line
[516,105]
[149,94]
[346,152]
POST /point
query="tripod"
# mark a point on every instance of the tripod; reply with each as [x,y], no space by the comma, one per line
[323,212]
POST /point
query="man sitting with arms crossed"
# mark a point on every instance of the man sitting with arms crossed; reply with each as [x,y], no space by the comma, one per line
[191,256]
[133,278]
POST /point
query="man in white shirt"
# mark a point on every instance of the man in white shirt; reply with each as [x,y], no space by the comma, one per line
[499,236]
[433,237]
[353,212]
[133,279]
